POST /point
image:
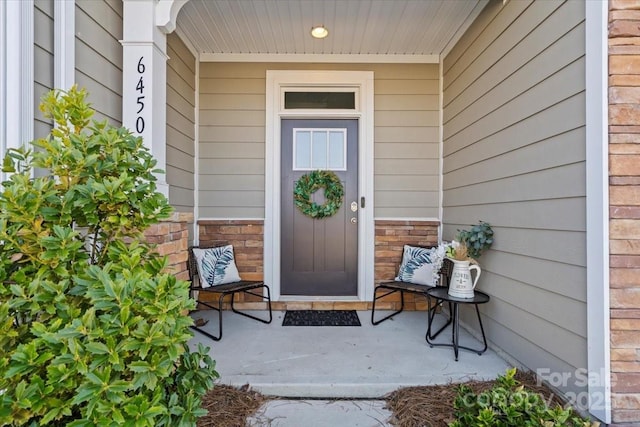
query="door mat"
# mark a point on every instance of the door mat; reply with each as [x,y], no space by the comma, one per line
[321,318]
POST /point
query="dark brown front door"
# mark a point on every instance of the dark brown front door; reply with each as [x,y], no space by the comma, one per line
[319,257]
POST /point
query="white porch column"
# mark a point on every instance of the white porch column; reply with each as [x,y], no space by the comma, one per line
[64,44]
[16,74]
[144,80]
[597,137]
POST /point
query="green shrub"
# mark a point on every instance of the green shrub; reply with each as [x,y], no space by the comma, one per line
[92,331]
[509,404]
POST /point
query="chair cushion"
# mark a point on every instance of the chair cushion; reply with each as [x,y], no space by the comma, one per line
[421,265]
[216,266]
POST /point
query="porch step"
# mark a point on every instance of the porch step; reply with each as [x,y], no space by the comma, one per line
[321,413]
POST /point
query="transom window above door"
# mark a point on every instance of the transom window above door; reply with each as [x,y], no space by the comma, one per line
[324,149]
[320,100]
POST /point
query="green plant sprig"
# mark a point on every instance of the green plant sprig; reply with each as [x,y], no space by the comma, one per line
[477,239]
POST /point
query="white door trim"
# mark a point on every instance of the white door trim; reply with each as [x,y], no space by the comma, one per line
[362,83]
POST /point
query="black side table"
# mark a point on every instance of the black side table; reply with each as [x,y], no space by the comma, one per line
[440,293]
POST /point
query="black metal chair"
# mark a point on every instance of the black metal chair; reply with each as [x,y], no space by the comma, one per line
[250,287]
[392,287]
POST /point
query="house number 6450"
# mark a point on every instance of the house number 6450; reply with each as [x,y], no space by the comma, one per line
[140,100]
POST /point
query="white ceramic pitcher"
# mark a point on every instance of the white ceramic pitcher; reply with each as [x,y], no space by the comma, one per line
[462,282]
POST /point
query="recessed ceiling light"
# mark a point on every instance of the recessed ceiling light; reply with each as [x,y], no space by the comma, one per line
[319,32]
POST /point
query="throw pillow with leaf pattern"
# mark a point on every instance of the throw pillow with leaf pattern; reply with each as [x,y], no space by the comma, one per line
[421,265]
[216,266]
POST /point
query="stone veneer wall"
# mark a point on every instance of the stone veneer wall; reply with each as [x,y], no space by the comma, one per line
[171,238]
[624,209]
[391,236]
[246,236]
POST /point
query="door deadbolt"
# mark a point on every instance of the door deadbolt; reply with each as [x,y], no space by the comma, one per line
[354,220]
[354,206]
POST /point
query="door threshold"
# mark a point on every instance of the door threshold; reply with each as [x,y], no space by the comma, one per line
[320,305]
[351,298]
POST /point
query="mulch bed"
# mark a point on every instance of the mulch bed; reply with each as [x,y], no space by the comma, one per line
[230,406]
[432,406]
[422,406]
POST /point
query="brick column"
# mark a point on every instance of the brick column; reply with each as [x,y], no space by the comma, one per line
[624,188]
[171,238]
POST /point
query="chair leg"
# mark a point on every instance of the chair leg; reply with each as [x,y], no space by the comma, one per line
[432,314]
[373,308]
[219,310]
[268,298]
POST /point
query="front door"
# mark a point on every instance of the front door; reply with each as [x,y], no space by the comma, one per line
[319,257]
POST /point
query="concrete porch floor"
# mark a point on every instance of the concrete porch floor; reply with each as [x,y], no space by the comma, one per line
[340,362]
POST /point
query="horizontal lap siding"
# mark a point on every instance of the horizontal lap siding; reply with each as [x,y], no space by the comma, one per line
[181,101]
[99,56]
[231,145]
[407,142]
[232,127]
[514,156]
[43,62]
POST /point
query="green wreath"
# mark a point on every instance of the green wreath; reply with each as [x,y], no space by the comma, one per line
[312,182]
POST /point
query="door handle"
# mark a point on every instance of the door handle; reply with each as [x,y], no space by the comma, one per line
[354,220]
[354,206]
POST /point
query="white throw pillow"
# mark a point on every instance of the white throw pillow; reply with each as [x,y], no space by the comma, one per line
[216,266]
[421,265]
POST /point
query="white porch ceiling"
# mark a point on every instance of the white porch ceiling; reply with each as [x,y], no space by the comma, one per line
[398,30]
